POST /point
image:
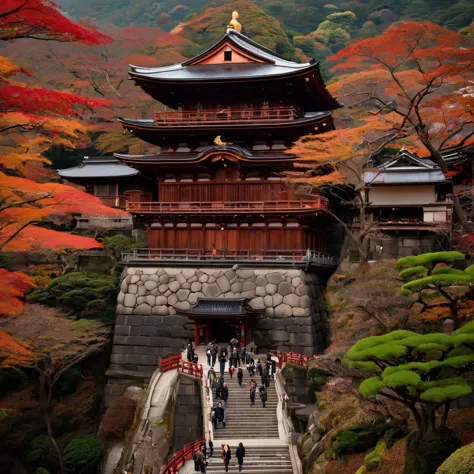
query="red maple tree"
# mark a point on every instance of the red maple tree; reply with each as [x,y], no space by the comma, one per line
[42,20]
[422,73]
[412,86]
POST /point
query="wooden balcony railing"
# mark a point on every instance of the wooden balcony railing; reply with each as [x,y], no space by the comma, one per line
[209,116]
[226,206]
[209,255]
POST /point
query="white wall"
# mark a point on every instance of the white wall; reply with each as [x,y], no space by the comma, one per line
[393,195]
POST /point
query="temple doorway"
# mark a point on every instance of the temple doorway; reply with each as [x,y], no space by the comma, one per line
[224,330]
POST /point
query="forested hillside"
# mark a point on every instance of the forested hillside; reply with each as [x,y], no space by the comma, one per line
[297,16]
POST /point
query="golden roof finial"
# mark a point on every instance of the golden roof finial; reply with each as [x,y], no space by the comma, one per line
[234,23]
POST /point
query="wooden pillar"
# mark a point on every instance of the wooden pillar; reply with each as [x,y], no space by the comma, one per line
[209,332]
[247,326]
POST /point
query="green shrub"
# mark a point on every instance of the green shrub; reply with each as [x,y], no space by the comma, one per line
[41,470]
[80,293]
[12,379]
[40,452]
[372,460]
[317,379]
[82,455]
[69,381]
[394,434]
[460,462]
[359,438]
[426,454]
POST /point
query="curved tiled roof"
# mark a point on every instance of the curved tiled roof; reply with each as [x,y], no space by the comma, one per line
[218,306]
[98,167]
[197,156]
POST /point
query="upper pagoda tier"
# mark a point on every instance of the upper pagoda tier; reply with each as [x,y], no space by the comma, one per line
[237,69]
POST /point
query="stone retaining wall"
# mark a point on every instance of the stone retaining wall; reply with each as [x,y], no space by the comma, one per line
[147,326]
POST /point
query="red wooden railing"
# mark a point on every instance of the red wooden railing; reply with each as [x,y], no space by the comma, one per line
[292,358]
[209,116]
[175,361]
[273,255]
[230,207]
[178,459]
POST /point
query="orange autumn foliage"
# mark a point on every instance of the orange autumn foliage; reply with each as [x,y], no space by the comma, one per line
[12,353]
[419,70]
[337,153]
[59,205]
[35,238]
[13,286]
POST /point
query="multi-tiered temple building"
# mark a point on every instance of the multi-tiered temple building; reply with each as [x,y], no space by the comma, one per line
[231,114]
[233,249]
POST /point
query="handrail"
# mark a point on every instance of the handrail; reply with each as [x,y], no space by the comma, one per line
[175,361]
[226,114]
[274,255]
[292,358]
[178,459]
[318,202]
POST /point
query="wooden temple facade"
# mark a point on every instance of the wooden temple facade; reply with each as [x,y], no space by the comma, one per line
[215,193]
[232,114]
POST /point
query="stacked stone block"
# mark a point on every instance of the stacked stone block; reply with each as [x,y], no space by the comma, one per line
[188,420]
[148,326]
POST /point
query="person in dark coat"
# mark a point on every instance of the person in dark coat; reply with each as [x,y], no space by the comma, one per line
[236,357]
[219,387]
[211,449]
[204,450]
[267,381]
[222,361]
[231,359]
[209,354]
[259,367]
[199,461]
[226,457]
[240,376]
[224,395]
[252,369]
[213,355]
[240,454]
[218,415]
[264,375]
[231,371]
[189,351]
[243,355]
[262,391]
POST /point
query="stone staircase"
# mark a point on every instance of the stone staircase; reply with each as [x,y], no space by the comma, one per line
[244,421]
[258,459]
[256,427]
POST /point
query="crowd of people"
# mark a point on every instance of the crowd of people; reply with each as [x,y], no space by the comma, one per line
[238,359]
[200,457]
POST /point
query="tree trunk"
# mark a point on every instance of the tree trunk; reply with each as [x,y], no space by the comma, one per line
[444,418]
[431,429]
[424,422]
[46,392]
[49,429]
